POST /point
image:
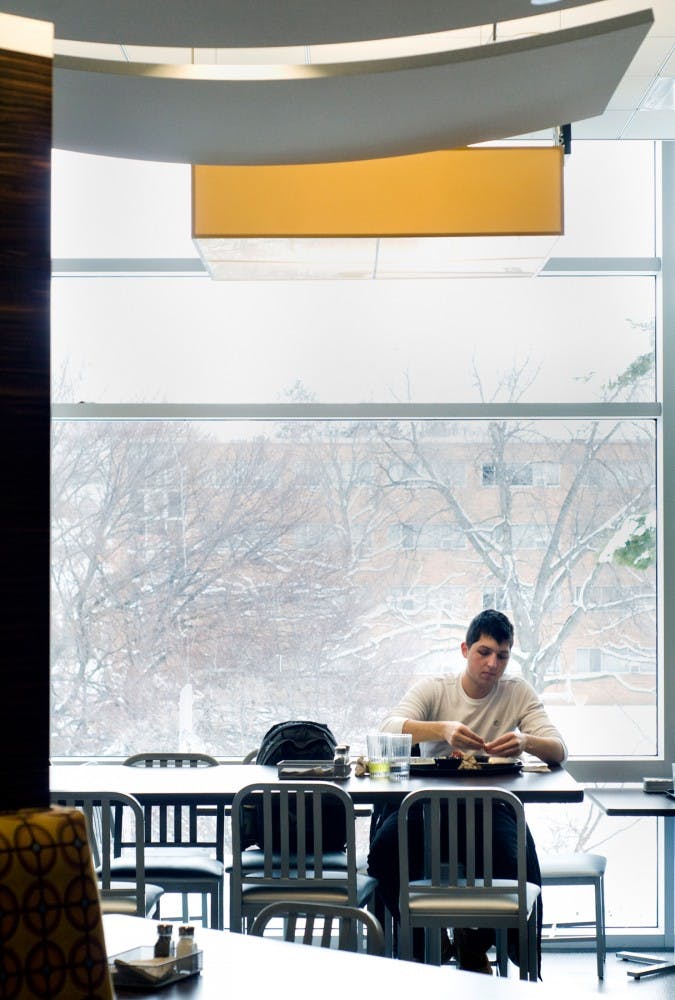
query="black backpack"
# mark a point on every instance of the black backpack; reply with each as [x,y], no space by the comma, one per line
[304,740]
[296,740]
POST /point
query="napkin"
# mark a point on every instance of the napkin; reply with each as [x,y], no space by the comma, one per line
[148,970]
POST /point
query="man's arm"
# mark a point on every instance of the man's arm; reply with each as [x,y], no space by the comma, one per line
[535,735]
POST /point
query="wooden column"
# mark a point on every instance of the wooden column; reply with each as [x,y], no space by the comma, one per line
[25,160]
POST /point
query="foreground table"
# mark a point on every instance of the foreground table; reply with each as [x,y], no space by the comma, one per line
[636,802]
[219,785]
[263,968]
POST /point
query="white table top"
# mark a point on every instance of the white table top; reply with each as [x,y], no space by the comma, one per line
[270,968]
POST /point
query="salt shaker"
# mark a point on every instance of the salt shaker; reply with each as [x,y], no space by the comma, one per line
[186,947]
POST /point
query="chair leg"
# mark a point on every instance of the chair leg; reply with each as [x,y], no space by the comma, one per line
[236,920]
[532,950]
[404,941]
[216,919]
[502,948]
[380,911]
[432,946]
[600,939]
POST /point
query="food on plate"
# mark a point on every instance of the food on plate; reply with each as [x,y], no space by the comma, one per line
[469,763]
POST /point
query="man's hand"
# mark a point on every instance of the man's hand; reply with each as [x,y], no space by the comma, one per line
[507,745]
[546,748]
[460,737]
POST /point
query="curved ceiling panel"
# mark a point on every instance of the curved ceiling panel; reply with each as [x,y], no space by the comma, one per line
[342,111]
[231,23]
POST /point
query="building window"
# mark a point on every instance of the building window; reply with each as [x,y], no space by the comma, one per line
[521,474]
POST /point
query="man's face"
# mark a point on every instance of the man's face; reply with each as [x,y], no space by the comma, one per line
[486,661]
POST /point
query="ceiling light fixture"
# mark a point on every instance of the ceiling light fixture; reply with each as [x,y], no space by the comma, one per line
[393,217]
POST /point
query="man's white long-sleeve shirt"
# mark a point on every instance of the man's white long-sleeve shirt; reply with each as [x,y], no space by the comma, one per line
[512,705]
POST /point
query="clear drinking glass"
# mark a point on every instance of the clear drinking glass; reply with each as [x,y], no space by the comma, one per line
[399,748]
[378,755]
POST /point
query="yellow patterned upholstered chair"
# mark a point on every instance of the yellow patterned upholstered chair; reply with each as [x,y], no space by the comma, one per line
[51,933]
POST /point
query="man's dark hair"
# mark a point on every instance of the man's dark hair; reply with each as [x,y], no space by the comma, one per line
[492,623]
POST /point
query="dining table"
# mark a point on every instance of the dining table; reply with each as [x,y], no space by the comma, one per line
[217,786]
[262,967]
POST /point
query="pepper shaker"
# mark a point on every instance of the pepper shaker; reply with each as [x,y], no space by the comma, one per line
[163,942]
[341,764]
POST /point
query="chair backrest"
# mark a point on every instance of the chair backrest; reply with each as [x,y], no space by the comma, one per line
[291,834]
[317,922]
[52,935]
[167,825]
[101,809]
[171,760]
[457,842]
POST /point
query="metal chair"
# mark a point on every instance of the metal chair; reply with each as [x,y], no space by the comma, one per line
[360,811]
[171,760]
[349,921]
[580,869]
[291,862]
[461,891]
[132,895]
[184,843]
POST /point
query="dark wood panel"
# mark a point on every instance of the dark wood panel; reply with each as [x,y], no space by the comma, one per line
[25,152]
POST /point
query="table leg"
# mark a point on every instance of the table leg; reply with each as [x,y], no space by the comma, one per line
[654,965]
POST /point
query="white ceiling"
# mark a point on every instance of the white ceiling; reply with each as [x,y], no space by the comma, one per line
[342,111]
[315,99]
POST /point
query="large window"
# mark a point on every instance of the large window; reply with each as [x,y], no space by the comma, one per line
[379,461]
[221,570]
[194,561]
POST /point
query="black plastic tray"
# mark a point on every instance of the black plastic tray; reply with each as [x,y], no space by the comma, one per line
[441,767]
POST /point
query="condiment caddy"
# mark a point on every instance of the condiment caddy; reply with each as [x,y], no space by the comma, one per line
[152,966]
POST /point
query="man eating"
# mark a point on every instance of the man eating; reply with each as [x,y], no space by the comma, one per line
[478,710]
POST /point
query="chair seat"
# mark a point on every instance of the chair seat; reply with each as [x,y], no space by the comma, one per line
[171,866]
[253,858]
[127,904]
[265,894]
[466,904]
[578,865]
